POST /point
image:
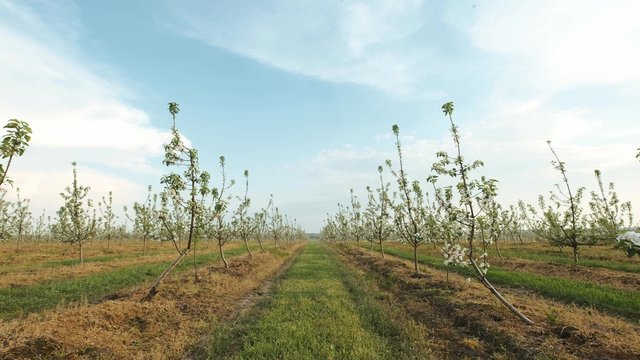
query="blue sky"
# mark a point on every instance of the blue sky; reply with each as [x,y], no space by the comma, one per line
[304,93]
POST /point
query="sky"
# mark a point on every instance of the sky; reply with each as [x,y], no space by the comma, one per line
[303,94]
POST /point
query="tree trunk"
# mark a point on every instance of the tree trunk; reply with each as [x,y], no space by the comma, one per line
[415,259]
[498,250]
[261,246]
[246,244]
[195,264]
[381,249]
[154,289]
[226,264]
[81,254]
[487,284]
[575,256]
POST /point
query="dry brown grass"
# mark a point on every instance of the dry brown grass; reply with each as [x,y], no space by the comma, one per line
[39,274]
[127,328]
[37,252]
[458,311]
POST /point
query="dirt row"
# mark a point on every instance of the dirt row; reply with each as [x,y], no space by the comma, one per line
[167,327]
[465,321]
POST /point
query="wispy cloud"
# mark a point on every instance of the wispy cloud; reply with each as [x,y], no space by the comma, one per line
[76,112]
[372,43]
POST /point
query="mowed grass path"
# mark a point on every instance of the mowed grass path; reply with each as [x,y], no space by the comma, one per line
[27,299]
[318,311]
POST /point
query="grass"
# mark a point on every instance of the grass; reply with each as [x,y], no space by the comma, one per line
[611,300]
[320,310]
[17,301]
[563,260]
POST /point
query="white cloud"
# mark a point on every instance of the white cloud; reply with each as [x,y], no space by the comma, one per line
[76,112]
[562,44]
[365,42]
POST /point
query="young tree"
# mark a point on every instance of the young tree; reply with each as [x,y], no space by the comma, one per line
[75,223]
[329,231]
[261,229]
[377,216]
[146,222]
[189,183]
[608,214]
[108,218]
[410,212]
[220,228]
[474,197]
[563,223]
[244,227]
[355,219]
[40,227]
[14,143]
[276,225]
[342,222]
[21,218]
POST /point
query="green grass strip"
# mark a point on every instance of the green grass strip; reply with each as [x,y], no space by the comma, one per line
[563,260]
[27,299]
[318,311]
[625,303]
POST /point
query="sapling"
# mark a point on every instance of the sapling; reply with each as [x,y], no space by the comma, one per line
[329,231]
[40,227]
[342,222]
[410,212]
[378,217]
[219,227]
[474,197]
[242,224]
[355,219]
[260,222]
[21,218]
[5,217]
[276,225]
[563,222]
[108,218]
[75,223]
[609,216]
[176,186]
[145,222]
[14,143]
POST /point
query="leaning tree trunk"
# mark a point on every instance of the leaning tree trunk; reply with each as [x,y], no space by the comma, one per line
[154,289]
[261,246]
[487,284]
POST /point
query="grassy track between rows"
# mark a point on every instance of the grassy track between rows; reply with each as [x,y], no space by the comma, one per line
[319,310]
[27,299]
[563,260]
[625,303]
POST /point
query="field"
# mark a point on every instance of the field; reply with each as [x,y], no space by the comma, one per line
[313,300]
